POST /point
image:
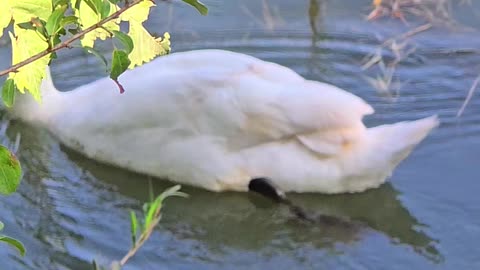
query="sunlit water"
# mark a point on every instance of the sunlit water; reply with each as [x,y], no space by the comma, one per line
[70,210]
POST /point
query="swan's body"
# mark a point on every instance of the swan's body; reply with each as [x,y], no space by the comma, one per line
[216,119]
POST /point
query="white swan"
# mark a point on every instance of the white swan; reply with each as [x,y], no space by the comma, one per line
[216,119]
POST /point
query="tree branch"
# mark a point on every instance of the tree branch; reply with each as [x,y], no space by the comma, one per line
[66,43]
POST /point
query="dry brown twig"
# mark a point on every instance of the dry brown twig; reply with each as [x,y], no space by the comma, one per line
[434,12]
[270,18]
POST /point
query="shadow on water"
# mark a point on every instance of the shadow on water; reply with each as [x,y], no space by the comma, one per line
[239,214]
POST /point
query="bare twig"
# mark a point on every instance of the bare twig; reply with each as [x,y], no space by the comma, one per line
[69,41]
[410,33]
[469,96]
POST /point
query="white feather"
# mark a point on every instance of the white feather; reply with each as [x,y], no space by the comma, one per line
[215,119]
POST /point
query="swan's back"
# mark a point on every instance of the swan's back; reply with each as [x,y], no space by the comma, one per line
[202,117]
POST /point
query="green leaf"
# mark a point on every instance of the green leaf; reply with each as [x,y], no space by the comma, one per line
[198,5]
[120,63]
[1,225]
[76,4]
[74,31]
[105,9]
[125,39]
[10,171]
[97,54]
[54,21]
[152,209]
[92,5]
[173,192]
[68,20]
[133,227]
[8,93]
[88,16]
[26,26]
[14,243]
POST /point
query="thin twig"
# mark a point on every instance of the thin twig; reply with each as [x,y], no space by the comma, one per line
[408,34]
[69,41]
[469,96]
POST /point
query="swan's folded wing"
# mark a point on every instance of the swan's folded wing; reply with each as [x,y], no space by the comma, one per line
[259,107]
[240,102]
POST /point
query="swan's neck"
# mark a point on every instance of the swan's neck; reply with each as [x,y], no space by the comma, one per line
[28,109]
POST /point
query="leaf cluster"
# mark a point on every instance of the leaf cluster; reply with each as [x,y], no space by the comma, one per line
[41,27]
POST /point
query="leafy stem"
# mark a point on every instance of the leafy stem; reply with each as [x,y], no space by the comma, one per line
[67,43]
[152,216]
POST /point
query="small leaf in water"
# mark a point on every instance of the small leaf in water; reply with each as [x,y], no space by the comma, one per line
[152,209]
[13,243]
[173,191]
[10,171]
[133,227]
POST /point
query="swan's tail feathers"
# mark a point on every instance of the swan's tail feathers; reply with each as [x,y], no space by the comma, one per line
[412,133]
[401,138]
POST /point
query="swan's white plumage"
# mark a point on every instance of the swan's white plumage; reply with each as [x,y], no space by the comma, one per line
[215,119]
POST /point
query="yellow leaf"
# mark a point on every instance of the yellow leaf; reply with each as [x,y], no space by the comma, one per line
[138,13]
[377,2]
[25,44]
[24,10]
[145,46]
[5,15]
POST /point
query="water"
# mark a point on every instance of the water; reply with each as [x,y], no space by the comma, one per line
[70,210]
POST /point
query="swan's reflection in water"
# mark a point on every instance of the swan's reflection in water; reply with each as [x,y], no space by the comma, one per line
[251,223]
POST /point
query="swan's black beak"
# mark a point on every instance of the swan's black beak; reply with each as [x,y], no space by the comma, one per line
[265,187]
